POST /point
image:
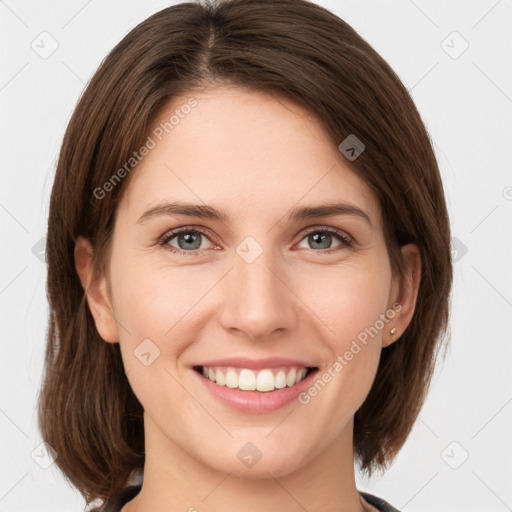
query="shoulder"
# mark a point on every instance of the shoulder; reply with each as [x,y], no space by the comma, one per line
[379,503]
[116,503]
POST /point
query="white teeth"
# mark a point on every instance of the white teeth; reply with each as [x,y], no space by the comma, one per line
[231,379]
[300,375]
[290,378]
[219,378]
[280,380]
[249,380]
[265,381]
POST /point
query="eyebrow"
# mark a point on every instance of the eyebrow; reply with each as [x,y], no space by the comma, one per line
[204,211]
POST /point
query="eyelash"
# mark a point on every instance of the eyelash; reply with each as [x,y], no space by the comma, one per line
[342,237]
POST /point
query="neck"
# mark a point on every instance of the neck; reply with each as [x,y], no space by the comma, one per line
[175,480]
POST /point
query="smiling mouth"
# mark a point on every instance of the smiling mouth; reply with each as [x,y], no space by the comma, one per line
[264,380]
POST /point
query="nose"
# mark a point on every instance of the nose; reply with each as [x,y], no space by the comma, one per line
[257,299]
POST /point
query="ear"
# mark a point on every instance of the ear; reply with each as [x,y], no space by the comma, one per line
[96,290]
[404,295]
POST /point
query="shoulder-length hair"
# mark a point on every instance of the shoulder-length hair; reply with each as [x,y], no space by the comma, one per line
[301,51]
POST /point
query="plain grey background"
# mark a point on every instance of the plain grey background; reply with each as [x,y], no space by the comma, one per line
[455,58]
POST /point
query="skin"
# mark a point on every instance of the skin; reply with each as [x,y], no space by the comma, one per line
[256,157]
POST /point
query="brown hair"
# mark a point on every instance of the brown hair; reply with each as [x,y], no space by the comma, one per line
[295,48]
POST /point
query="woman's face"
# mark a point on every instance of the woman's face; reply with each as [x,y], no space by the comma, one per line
[263,283]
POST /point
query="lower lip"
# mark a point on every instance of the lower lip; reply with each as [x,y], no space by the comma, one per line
[256,401]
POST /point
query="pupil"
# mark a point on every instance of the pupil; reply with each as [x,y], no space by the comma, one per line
[189,238]
[319,238]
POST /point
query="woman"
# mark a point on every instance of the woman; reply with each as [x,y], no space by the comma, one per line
[249,266]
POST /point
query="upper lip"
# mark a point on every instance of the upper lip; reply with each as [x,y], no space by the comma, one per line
[244,362]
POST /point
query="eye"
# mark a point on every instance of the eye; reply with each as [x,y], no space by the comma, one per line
[187,239]
[321,238]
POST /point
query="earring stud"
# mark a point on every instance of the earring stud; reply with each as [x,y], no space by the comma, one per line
[392,331]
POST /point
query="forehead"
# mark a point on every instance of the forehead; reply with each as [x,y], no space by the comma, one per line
[245,151]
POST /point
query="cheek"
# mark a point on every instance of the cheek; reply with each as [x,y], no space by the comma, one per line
[341,386]
[151,300]
[348,301]
[146,308]
[350,308]
[154,311]
[160,310]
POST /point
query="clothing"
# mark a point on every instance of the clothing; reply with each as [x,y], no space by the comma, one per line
[117,502]
[378,503]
